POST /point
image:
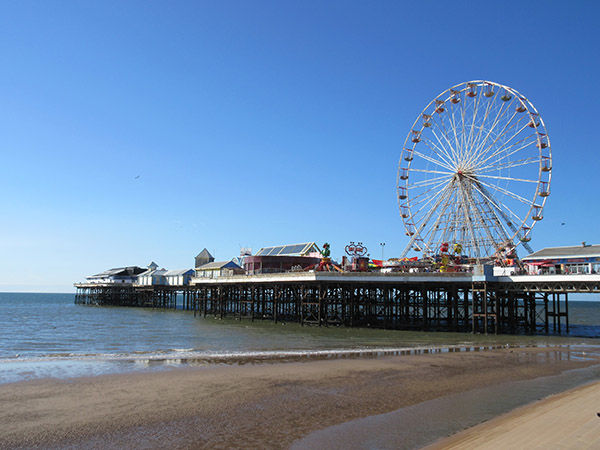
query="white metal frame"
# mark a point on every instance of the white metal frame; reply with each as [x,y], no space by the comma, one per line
[475,170]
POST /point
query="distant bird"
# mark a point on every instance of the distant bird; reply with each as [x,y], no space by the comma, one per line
[562,223]
[136,177]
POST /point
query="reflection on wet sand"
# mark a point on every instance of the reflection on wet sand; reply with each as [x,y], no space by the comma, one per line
[266,401]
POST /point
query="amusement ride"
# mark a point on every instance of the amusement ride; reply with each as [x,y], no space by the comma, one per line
[474,173]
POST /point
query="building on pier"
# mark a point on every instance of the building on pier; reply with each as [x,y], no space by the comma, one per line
[151,277]
[304,249]
[204,257]
[579,259]
[218,269]
[179,277]
[118,275]
[282,258]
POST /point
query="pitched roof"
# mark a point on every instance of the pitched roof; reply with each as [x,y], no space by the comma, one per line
[119,271]
[153,272]
[575,251]
[204,254]
[178,272]
[218,265]
[289,250]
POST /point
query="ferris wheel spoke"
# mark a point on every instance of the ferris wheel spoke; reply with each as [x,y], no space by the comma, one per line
[431,171]
[484,227]
[497,165]
[487,226]
[453,125]
[498,210]
[445,133]
[452,159]
[483,122]
[481,150]
[506,192]
[522,144]
[471,129]
[508,129]
[439,152]
[441,147]
[467,149]
[507,178]
[420,225]
[440,122]
[429,189]
[423,221]
[426,198]
[434,180]
[502,231]
[500,205]
[510,194]
[504,147]
[463,134]
[443,163]
[479,144]
[497,231]
[492,128]
[423,203]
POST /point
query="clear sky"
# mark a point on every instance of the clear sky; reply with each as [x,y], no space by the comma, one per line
[138,131]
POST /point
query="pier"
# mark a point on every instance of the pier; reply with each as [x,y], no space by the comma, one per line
[463,302]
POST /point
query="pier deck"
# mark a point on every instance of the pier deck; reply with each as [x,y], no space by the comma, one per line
[423,301]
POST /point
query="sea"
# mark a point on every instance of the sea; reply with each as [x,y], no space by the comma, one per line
[49,336]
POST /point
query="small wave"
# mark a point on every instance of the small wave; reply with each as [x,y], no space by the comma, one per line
[190,354]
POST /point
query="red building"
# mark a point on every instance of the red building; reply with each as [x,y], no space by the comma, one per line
[282,258]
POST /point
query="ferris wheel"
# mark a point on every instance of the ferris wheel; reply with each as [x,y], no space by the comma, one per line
[474,171]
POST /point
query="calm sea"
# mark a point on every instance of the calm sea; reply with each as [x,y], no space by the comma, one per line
[47,335]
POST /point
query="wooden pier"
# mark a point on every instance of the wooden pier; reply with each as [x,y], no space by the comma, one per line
[420,301]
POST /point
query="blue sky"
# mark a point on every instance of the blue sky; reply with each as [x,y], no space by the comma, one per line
[258,123]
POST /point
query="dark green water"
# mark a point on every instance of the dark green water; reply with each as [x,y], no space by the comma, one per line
[47,335]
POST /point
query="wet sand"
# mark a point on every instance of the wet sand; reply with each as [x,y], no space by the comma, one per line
[267,405]
[566,420]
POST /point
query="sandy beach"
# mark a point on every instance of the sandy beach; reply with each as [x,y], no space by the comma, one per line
[565,420]
[267,405]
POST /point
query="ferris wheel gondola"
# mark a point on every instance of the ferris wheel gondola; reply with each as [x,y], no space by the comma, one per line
[475,170]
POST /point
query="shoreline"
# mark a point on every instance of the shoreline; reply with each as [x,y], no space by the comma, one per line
[564,420]
[267,405]
[73,366]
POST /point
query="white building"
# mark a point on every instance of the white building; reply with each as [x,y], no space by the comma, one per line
[575,259]
[153,276]
[118,275]
[180,277]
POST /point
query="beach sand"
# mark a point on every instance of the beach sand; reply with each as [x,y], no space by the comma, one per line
[266,405]
[566,420]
